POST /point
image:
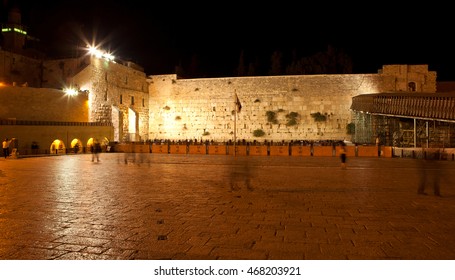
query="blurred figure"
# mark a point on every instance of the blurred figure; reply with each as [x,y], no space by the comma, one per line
[342,151]
[76,148]
[96,150]
[6,147]
[131,154]
[240,174]
[430,173]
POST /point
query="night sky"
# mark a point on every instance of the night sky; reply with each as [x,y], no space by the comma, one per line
[159,36]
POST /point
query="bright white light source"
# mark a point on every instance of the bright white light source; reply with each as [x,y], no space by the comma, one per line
[71,91]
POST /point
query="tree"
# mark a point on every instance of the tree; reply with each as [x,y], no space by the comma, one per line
[241,66]
[276,64]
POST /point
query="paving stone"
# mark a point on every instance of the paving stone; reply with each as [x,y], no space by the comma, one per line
[210,207]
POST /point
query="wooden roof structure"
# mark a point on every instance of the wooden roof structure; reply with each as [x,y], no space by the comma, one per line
[418,105]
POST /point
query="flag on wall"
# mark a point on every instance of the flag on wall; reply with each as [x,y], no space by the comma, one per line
[238,105]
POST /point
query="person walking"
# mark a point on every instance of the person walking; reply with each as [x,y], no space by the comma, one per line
[5,146]
[96,150]
[430,173]
[342,151]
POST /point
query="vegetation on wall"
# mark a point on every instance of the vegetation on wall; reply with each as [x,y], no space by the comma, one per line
[178,118]
[292,118]
[271,117]
[258,133]
[166,108]
[205,133]
[318,117]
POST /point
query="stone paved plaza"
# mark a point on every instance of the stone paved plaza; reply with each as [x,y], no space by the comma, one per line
[210,207]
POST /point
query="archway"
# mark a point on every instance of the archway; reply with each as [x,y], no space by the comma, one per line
[76,146]
[132,125]
[57,147]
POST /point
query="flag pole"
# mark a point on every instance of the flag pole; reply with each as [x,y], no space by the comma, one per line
[235,122]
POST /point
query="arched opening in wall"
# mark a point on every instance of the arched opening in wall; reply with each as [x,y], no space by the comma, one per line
[90,143]
[117,123]
[132,125]
[57,147]
[412,86]
[76,146]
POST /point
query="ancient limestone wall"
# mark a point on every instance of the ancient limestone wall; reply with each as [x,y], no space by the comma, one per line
[306,107]
[116,91]
[58,73]
[42,104]
[424,80]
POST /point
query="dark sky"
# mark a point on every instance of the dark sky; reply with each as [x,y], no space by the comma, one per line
[159,35]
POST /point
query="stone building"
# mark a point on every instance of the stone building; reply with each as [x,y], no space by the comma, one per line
[141,108]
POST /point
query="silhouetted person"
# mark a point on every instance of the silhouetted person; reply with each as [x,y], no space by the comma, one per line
[76,148]
[5,145]
[342,151]
[96,150]
[430,173]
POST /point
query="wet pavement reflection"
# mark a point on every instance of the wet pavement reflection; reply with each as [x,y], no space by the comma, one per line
[160,206]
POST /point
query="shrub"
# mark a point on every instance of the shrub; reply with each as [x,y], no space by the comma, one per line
[258,133]
[318,117]
[271,117]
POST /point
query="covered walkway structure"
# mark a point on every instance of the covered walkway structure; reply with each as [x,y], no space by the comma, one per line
[405,119]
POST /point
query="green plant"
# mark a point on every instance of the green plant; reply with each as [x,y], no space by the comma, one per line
[291,122]
[166,107]
[271,117]
[205,133]
[318,117]
[258,133]
[292,115]
[292,118]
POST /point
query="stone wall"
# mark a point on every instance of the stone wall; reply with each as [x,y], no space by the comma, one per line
[45,135]
[19,70]
[203,109]
[116,93]
[35,107]
[305,107]
[42,104]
